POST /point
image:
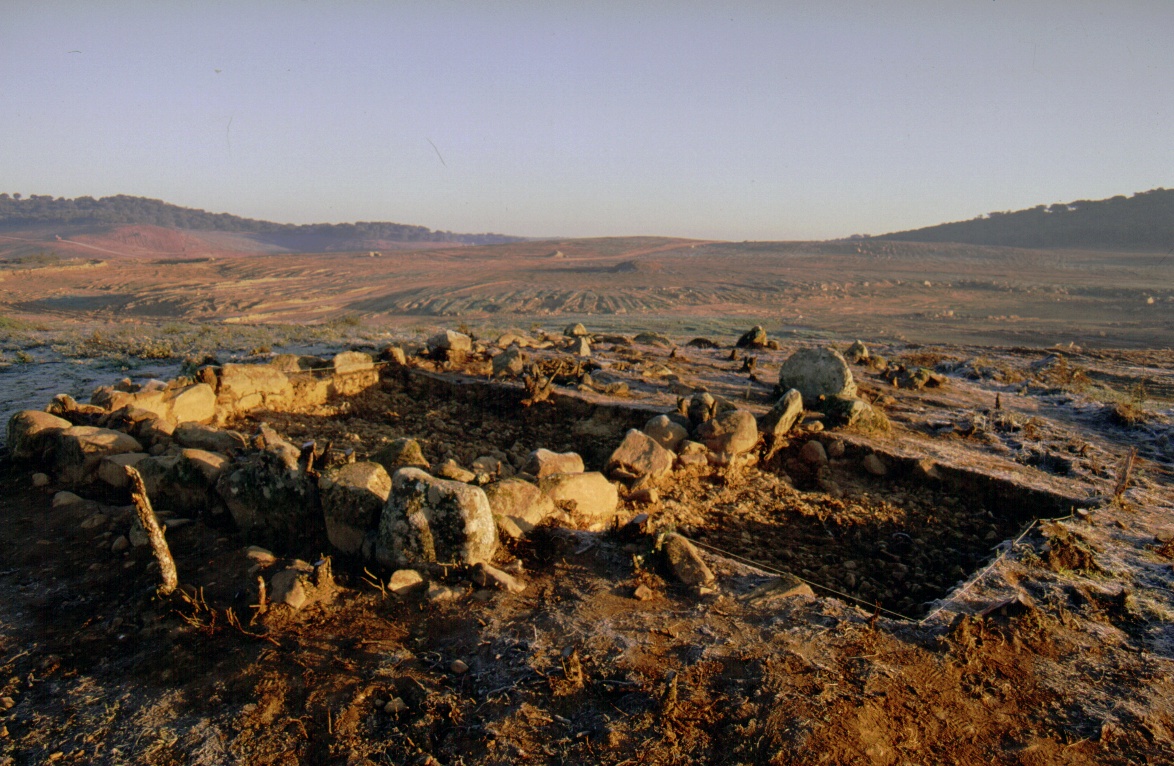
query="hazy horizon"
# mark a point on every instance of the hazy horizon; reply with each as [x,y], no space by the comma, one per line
[763,122]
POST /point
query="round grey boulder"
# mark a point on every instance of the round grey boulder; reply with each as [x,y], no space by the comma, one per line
[816,372]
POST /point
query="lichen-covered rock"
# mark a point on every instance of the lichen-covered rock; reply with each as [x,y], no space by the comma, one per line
[78,451]
[639,456]
[400,453]
[781,418]
[185,481]
[431,521]
[666,432]
[31,433]
[753,338]
[520,501]
[730,433]
[543,462]
[817,372]
[269,500]
[353,496]
[589,498]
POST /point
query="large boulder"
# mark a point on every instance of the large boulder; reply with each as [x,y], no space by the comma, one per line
[589,498]
[781,418]
[152,399]
[639,456]
[184,481]
[576,330]
[247,387]
[31,433]
[78,451]
[112,469]
[198,436]
[543,462]
[730,433]
[269,500]
[433,521]
[524,504]
[192,404]
[816,372]
[666,432]
[353,496]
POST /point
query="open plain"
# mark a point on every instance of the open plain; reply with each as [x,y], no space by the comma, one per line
[982,574]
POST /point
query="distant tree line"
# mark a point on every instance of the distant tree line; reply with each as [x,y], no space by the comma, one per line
[17,210]
[1144,221]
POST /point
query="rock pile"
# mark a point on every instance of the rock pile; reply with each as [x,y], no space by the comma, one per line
[396,509]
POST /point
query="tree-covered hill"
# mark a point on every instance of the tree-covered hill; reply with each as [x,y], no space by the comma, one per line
[1144,221]
[39,210]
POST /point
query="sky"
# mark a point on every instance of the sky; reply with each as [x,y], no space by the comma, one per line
[762,121]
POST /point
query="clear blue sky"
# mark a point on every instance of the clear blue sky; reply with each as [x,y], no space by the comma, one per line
[773,120]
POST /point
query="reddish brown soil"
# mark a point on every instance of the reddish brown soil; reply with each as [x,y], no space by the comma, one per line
[917,292]
[1076,669]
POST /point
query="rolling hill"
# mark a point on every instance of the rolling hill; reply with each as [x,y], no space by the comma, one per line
[124,223]
[1144,221]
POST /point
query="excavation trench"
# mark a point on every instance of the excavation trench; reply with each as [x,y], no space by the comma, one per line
[904,540]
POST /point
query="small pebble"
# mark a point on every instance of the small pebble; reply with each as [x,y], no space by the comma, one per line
[458,667]
[397,705]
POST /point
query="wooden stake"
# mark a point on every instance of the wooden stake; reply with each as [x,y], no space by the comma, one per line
[138,494]
[1126,473]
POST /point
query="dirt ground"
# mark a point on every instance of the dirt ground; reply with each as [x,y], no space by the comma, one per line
[1054,647]
[915,292]
[949,626]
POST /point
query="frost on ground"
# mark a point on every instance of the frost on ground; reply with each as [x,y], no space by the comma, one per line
[943,623]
